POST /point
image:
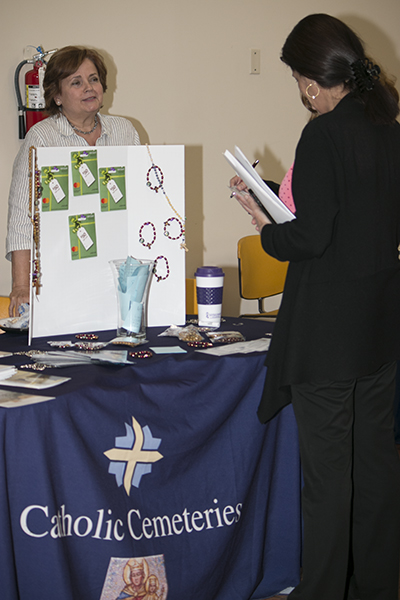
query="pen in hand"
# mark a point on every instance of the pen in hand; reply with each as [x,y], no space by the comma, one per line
[234,192]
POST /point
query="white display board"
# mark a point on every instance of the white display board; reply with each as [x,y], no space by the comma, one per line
[78,293]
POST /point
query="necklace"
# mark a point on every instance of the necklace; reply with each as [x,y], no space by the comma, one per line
[96,122]
[160,181]
[35,191]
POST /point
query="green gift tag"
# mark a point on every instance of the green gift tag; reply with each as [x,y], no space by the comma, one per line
[112,188]
[54,188]
[84,172]
[82,235]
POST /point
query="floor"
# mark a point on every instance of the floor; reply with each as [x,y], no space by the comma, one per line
[283,597]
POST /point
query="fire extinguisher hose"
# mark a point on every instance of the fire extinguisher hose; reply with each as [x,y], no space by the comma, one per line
[21,107]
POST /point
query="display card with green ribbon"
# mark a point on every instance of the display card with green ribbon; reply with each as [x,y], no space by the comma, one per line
[84,172]
[54,188]
[112,189]
[82,235]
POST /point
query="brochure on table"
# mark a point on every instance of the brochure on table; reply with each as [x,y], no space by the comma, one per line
[101,204]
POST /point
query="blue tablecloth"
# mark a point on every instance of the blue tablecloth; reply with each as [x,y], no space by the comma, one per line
[164,460]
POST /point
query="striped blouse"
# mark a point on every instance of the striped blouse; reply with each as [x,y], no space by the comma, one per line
[53,131]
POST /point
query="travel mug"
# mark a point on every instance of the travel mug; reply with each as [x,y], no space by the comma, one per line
[209,288]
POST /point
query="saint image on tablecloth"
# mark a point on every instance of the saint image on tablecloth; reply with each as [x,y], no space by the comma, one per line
[138,578]
[152,588]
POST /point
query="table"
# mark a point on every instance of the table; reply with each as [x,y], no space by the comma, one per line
[162,459]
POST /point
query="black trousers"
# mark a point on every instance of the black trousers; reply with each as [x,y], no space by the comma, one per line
[351,494]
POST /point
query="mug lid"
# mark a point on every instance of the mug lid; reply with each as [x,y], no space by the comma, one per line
[209,272]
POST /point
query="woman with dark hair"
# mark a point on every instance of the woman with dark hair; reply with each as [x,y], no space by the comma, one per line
[74,83]
[337,336]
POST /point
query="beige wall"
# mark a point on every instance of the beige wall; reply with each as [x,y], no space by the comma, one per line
[180,71]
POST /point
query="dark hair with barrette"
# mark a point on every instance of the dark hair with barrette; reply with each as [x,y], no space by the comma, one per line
[326,50]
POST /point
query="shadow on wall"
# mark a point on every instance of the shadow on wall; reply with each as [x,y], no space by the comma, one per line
[231,297]
[270,167]
[194,208]
[377,44]
[109,96]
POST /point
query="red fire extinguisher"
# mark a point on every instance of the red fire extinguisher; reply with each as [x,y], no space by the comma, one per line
[33,110]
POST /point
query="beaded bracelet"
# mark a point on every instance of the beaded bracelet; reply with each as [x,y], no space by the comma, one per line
[141,354]
[199,344]
[159,277]
[159,176]
[141,238]
[167,223]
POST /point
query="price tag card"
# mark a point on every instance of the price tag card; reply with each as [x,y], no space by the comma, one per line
[54,188]
[84,172]
[112,188]
[82,235]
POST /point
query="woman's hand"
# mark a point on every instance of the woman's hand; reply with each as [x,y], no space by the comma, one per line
[19,295]
[20,292]
[238,184]
[241,193]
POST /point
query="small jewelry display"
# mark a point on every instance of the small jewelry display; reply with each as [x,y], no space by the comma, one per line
[142,240]
[160,180]
[156,275]
[86,336]
[35,192]
[167,232]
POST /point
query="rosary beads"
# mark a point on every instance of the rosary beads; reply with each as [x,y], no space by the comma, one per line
[159,176]
[35,192]
[142,240]
[167,233]
[156,275]
[160,181]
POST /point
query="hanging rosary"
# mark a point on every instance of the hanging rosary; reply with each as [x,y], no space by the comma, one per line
[35,192]
[160,181]
[156,275]
[159,176]
[167,233]
[141,236]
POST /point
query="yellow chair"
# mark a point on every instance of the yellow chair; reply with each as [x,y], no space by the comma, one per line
[4,304]
[191,297]
[260,275]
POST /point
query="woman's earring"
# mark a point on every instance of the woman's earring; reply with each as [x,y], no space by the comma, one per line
[312,96]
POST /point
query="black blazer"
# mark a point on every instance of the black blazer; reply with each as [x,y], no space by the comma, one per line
[340,313]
